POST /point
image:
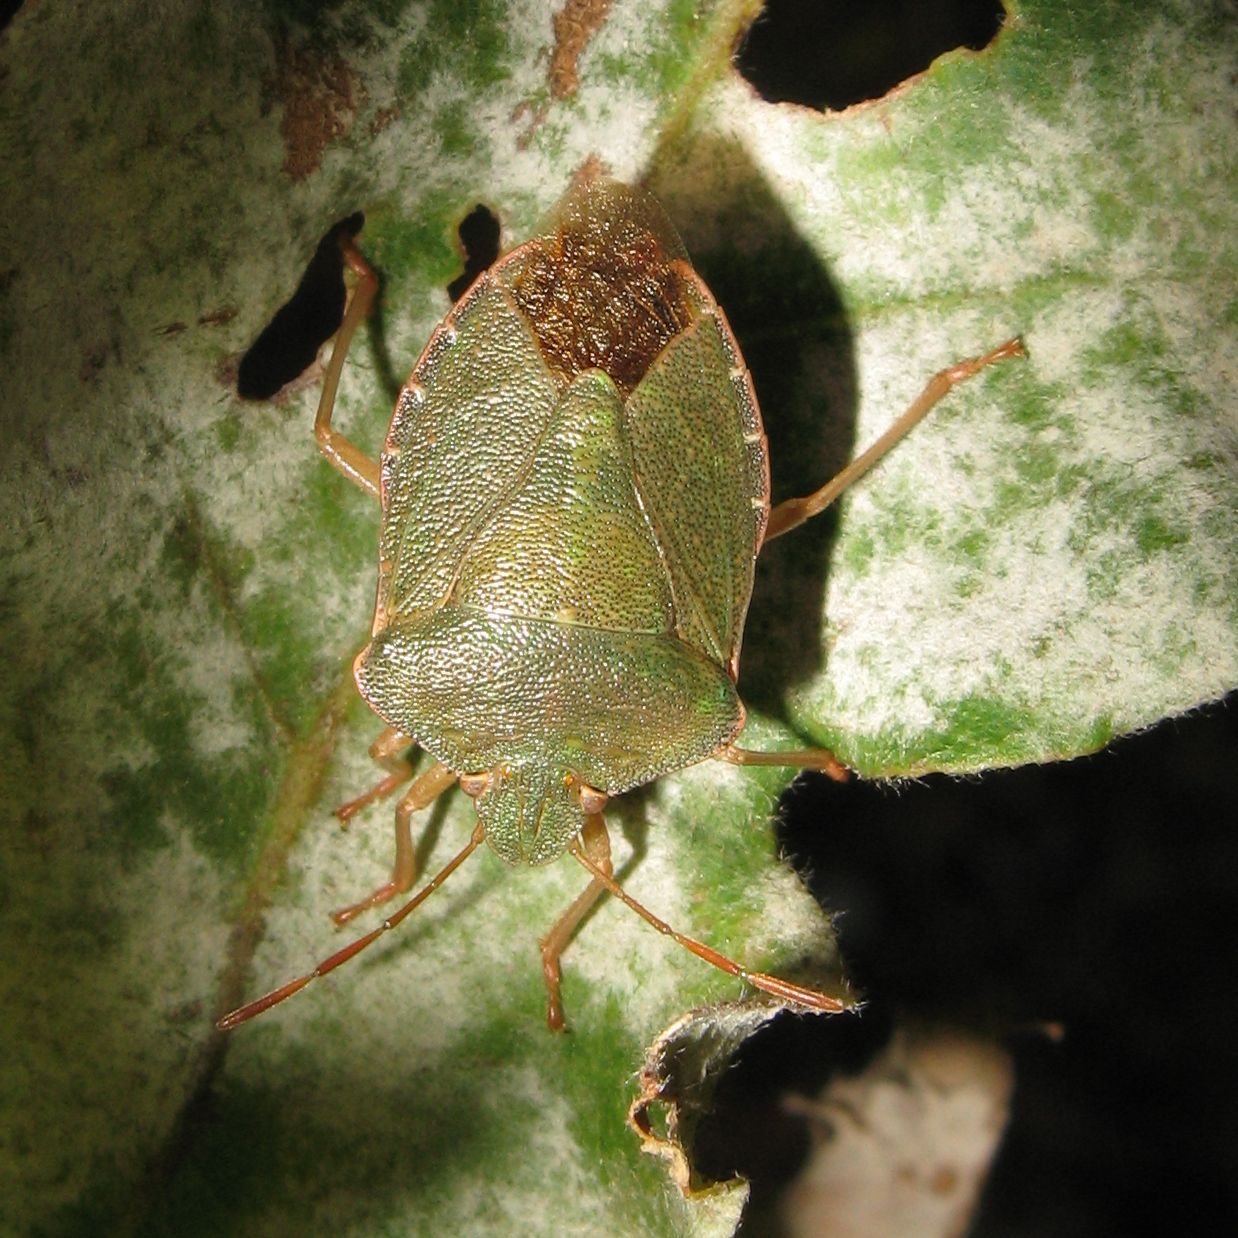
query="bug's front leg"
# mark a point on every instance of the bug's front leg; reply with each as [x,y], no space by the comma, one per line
[345,455]
[384,751]
[437,779]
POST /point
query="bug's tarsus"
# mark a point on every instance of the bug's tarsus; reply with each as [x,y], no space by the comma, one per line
[793,512]
[340,957]
[774,985]
[343,454]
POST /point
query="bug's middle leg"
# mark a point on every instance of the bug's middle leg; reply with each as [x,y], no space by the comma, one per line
[597,845]
[820,759]
[424,791]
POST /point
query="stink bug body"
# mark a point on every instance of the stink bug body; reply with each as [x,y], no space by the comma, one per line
[575,488]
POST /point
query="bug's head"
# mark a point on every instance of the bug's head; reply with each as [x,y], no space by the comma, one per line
[530,816]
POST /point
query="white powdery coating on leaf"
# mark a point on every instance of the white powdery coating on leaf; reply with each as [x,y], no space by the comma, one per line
[250,506]
[545,1139]
[215,677]
[415,988]
[791,921]
[172,939]
[908,640]
[897,674]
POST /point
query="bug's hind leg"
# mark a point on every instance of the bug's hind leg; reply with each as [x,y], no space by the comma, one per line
[794,512]
[424,791]
[345,455]
[820,759]
[597,845]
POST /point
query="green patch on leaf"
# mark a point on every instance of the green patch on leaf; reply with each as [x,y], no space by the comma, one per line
[466,42]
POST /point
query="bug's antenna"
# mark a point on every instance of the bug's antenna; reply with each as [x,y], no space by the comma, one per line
[775,985]
[256,1007]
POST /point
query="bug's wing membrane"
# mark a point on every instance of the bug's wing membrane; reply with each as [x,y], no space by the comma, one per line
[460,439]
[702,472]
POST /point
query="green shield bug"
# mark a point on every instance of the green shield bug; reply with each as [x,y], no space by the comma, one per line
[574,490]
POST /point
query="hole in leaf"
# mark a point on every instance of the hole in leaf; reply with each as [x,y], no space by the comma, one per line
[749,1131]
[1076,892]
[288,344]
[479,238]
[829,55]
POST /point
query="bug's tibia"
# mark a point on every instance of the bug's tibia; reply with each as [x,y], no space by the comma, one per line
[793,512]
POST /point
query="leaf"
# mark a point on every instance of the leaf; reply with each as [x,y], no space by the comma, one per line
[185,581]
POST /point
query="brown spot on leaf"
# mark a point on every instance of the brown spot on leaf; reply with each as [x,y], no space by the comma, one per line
[574,25]
[382,118]
[537,117]
[319,94]
[94,358]
[217,318]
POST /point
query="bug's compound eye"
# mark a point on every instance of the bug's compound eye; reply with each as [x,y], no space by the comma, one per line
[474,785]
[591,801]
